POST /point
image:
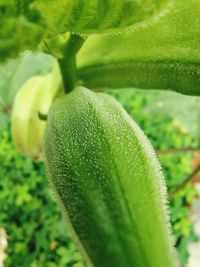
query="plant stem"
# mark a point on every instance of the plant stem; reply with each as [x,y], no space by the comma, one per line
[68,62]
[185,182]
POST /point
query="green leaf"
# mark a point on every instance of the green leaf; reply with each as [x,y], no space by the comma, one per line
[95,16]
[25,24]
[162,53]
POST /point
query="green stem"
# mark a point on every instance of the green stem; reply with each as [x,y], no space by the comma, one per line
[68,62]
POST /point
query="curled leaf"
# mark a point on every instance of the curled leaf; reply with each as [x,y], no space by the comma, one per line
[163,53]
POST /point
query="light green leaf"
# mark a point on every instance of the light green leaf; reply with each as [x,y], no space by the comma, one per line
[95,16]
[25,24]
[163,53]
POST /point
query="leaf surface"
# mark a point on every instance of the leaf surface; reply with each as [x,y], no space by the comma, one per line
[162,53]
[27,24]
[95,16]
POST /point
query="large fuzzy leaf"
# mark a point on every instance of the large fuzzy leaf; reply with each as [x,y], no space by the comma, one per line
[163,53]
[25,24]
[95,16]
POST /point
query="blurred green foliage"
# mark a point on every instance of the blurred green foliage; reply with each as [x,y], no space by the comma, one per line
[37,235]
[36,231]
[15,72]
